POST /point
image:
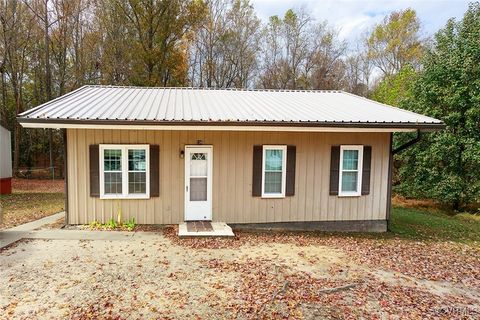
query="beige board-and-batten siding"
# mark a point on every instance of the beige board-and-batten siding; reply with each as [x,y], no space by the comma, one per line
[232,177]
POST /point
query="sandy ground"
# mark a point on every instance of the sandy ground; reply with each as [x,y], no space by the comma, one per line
[152,275]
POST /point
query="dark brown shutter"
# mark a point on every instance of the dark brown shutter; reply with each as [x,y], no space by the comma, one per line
[291,160]
[154,171]
[334,170]
[367,164]
[94,171]
[257,171]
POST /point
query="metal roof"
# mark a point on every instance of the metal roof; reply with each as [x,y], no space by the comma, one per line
[150,106]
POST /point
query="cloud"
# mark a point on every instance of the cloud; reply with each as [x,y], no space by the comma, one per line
[353,17]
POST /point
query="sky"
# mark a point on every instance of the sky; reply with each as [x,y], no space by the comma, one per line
[354,17]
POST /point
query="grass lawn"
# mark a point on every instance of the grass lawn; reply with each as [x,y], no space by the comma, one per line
[19,208]
[436,225]
[31,199]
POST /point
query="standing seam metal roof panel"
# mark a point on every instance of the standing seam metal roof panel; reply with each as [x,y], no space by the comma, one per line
[109,103]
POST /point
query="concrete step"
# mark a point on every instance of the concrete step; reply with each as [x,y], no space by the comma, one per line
[220,229]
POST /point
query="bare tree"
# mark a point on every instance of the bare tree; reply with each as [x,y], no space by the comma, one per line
[16,33]
[301,54]
[326,65]
[224,49]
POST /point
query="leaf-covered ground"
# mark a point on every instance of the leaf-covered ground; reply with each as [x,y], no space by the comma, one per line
[31,200]
[38,185]
[20,208]
[254,275]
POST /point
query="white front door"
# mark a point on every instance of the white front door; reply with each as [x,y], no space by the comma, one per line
[198,182]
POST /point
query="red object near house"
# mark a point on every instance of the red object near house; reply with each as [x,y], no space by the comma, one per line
[5,185]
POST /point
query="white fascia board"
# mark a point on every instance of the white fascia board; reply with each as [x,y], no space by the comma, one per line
[209,128]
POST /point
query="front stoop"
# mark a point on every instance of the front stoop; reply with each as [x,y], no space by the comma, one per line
[220,229]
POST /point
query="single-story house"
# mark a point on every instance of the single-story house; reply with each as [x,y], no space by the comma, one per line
[264,158]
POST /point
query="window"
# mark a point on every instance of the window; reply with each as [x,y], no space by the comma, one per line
[124,171]
[137,170]
[198,176]
[273,171]
[112,166]
[350,181]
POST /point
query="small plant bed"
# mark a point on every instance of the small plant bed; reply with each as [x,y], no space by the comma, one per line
[113,225]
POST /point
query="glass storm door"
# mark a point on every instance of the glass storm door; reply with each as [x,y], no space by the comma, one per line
[198,183]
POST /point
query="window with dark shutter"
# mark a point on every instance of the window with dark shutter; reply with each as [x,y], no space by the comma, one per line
[94,171]
[291,161]
[334,169]
[154,171]
[257,171]
[367,163]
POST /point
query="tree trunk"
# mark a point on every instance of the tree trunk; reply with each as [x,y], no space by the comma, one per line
[18,129]
[48,71]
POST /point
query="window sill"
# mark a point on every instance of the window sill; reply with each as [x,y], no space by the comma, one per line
[346,195]
[123,197]
[273,196]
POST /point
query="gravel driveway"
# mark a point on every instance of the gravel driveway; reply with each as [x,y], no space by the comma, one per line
[157,275]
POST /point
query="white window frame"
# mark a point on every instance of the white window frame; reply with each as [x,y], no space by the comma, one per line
[359,171]
[284,170]
[124,161]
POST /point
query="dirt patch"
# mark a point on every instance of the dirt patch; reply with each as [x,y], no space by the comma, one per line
[437,261]
[59,224]
[153,275]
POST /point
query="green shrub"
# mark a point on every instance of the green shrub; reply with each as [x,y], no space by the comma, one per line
[129,224]
[111,224]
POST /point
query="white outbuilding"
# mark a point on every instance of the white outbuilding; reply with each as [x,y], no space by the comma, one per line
[5,161]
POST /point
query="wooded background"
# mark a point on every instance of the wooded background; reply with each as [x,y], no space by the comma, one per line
[50,47]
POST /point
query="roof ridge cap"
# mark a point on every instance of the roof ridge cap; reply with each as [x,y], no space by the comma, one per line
[217,88]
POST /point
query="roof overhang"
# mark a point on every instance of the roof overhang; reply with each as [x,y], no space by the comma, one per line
[316,126]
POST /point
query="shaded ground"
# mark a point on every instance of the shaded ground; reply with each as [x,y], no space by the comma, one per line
[31,200]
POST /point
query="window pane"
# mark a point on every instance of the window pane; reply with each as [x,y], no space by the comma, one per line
[198,189]
[112,159]
[273,182]
[113,182]
[350,159]
[198,165]
[273,160]
[349,181]
[137,160]
[199,156]
[137,182]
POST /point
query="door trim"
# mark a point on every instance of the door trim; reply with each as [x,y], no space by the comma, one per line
[188,148]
